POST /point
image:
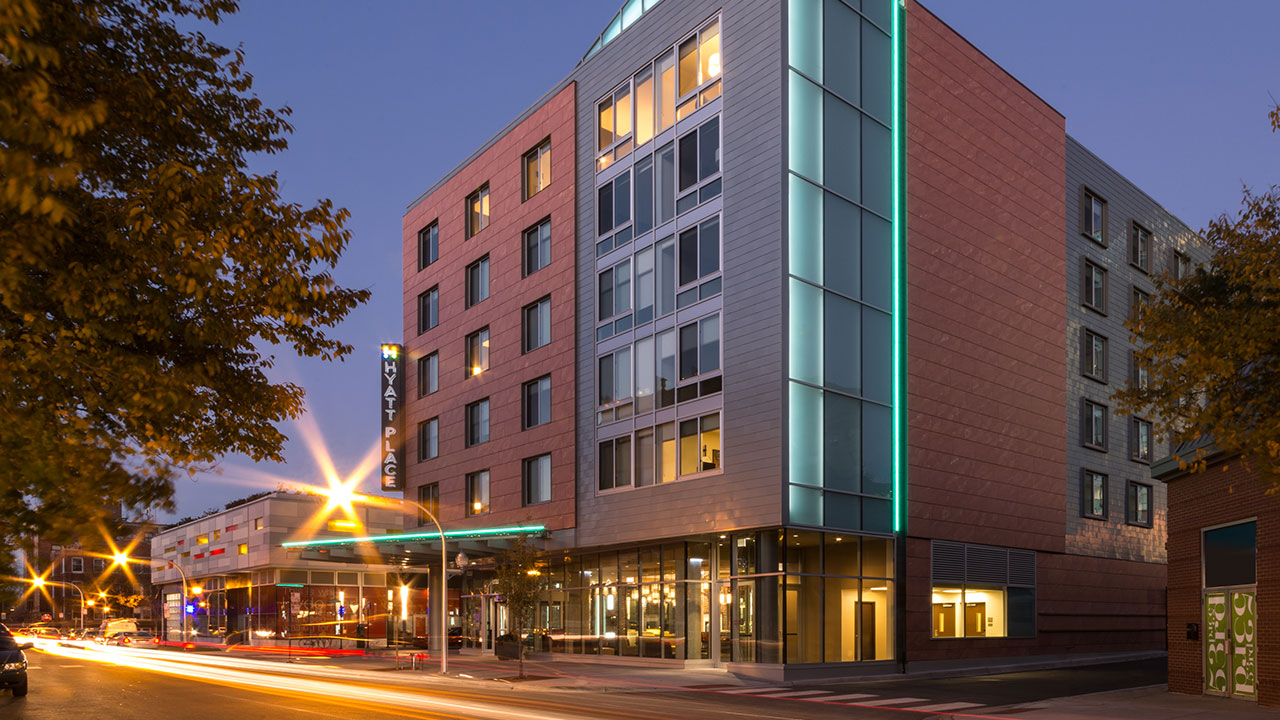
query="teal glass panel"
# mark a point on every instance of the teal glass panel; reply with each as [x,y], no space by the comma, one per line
[841,449]
[804,116]
[877,450]
[613,29]
[631,12]
[842,341]
[806,332]
[804,37]
[843,136]
[806,431]
[877,515]
[881,11]
[877,73]
[842,246]
[806,505]
[877,355]
[841,56]
[804,229]
[877,167]
[843,511]
[877,261]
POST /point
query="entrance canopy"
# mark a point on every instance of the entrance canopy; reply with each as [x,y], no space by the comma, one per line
[416,548]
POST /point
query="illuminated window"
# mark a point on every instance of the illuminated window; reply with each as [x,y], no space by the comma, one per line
[1140,247]
[665,104]
[217,534]
[428,245]
[257,523]
[537,479]
[537,169]
[1093,499]
[700,444]
[477,211]
[1093,220]
[477,352]
[1138,504]
[428,374]
[644,106]
[428,439]
[969,611]
[477,281]
[478,493]
[478,422]
[242,549]
[202,539]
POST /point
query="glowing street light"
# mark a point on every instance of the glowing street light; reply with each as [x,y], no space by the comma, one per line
[40,582]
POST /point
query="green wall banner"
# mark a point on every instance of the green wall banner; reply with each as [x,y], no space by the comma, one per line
[1243,670]
[1216,627]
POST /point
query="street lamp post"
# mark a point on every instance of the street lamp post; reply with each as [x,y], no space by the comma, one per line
[444,585]
[183,609]
[41,582]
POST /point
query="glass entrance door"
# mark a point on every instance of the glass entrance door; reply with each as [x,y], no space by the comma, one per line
[1230,649]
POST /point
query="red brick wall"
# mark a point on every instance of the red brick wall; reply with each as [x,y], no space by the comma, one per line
[1225,493]
[499,166]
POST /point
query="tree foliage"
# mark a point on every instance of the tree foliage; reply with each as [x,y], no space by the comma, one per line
[1211,343]
[142,265]
[519,579]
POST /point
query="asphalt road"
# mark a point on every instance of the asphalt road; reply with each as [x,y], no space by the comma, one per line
[81,685]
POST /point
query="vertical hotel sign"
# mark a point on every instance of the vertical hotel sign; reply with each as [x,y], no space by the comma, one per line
[392,398]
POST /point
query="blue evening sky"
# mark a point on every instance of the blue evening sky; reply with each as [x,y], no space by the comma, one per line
[389,95]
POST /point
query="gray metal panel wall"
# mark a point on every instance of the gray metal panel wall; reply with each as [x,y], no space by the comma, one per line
[1126,203]
[749,493]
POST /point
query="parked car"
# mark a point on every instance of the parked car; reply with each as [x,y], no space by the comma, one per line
[132,638]
[13,663]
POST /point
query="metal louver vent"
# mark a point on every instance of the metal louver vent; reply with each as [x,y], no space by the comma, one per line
[948,562]
[986,564]
[1022,568]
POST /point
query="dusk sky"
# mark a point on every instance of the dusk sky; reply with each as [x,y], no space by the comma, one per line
[388,96]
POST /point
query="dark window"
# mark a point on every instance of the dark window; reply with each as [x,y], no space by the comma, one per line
[537,247]
[700,251]
[666,203]
[1140,247]
[1093,289]
[428,439]
[478,281]
[1093,500]
[604,209]
[1094,425]
[428,497]
[428,245]
[615,463]
[1093,354]
[537,169]
[77,564]
[1231,555]
[537,324]
[615,290]
[1140,440]
[644,194]
[537,479]
[537,402]
[688,351]
[709,148]
[478,352]
[1093,221]
[1138,504]
[614,380]
[1139,375]
[613,203]
[478,493]
[1181,266]
[428,374]
[1137,299]
[688,160]
[477,211]
[428,310]
[478,422]
[700,347]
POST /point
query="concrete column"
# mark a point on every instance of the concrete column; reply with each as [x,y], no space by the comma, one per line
[437,611]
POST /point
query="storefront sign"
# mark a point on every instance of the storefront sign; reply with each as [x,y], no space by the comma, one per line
[392,374]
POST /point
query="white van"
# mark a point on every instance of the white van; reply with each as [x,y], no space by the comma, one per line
[112,627]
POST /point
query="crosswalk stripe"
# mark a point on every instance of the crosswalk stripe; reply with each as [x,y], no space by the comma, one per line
[800,693]
[941,707]
[743,691]
[893,701]
[856,696]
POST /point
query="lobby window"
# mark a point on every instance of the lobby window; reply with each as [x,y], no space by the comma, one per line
[1093,287]
[1139,375]
[478,422]
[537,247]
[1093,499]
[1000,602]
[1138,504]
[428,374]
[1137,298]
[700,444]
[537,402]
[613,383]
[1140,440]
[1093,354]
[614,463]
[1093,433]
[478,281]
[699,160]
[478,493]
[537,324]
[428,245]
[537,169]
[428,439]
[478,352]
[615,291]
[428,309]
[537,479]
[477,211]
[429,497]
[77,564]
[1093,221]
[613,206]
[1140,247]
[1181,266]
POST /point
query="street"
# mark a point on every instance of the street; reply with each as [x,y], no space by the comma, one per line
[144,684]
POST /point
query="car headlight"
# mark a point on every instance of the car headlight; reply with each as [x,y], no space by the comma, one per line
[20,665]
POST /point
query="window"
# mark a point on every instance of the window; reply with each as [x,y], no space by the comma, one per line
[99,565]
[615,290]
[428,374]
[644,195]
[1137,299]
[699,154]
[217,535]
[666,362]
[700,444]
[477,211]
[429,498]
[644,286]
[700,347]
[428,439]
[699,64]
[478,493]
[537,169]
[428,245]
[1093,354]
[665,106]
[1093,500]
[1139,375]
[1138,504]
[1140,247]
[614,385]
[699,258]
[1181,266]
[614,113]
[202,539]
[1093,289]
[655,455]
[665,206]
[644,375]
[242,549]
[665,282]
[1093,221]
[614,466]
[537,247]
[428,310]
[982,591]
[537,402]
[613,204]
[1094,425]
[257,523]
[537,479]
[1140,440]
[643,83]
[478,352]
[77,564]
[537,324]
[478,422]
[478,281]
[1231,555]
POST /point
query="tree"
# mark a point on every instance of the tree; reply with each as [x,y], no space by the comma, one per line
[519,579]
[1210,343]
[142,266]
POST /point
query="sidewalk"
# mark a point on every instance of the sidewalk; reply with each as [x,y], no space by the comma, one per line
[1149,703]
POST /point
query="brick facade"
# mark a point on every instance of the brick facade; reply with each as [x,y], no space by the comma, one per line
[1226,492]
[500,166]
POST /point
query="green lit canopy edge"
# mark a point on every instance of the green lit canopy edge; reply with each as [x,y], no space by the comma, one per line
[475,532]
